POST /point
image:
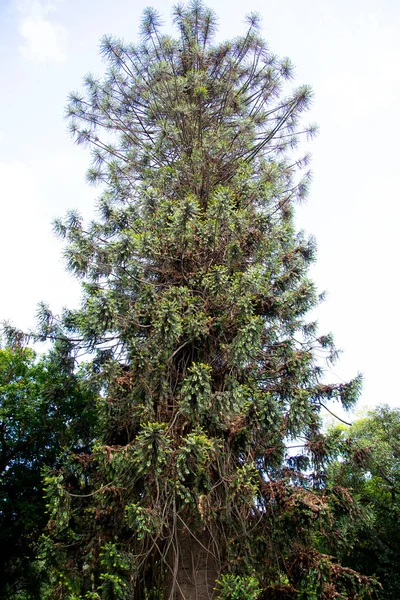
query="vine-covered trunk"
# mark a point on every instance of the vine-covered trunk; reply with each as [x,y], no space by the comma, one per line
[196,569]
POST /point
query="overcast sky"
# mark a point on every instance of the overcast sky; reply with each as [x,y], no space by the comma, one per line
[347,50]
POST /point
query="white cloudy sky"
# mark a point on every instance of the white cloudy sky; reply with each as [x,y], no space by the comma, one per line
[348,50]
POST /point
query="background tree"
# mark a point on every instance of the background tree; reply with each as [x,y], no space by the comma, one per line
[195,295]
[369,466]
[44,408]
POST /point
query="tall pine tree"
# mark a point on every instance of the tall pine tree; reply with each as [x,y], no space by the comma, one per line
[195,296]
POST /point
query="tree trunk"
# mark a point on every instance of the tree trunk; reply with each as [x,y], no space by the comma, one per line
[196,568]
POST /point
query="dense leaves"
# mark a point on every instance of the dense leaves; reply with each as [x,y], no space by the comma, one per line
[44,408]
[370,467]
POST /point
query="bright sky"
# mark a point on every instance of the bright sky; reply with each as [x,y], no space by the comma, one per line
[347,50]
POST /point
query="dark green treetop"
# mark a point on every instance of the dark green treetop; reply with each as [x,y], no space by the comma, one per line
[195,296]
[45,408]
[369,465]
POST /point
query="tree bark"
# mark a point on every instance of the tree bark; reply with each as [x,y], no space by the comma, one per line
[196,568]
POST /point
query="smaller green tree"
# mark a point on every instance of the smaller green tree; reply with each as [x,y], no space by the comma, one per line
[369,466]
[44,407]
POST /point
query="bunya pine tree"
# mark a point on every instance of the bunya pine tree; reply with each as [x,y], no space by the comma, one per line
[194,315]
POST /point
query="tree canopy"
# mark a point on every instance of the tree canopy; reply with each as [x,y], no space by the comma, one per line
[44,408]
[369,466]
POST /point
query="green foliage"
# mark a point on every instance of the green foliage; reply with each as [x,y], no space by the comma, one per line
[151,448]
[139,520]
[233,587]
[44,408]
[194,312]
[114,566]
[369,467]
[196,390]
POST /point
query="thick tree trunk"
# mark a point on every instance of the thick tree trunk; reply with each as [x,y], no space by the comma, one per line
[196,569]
